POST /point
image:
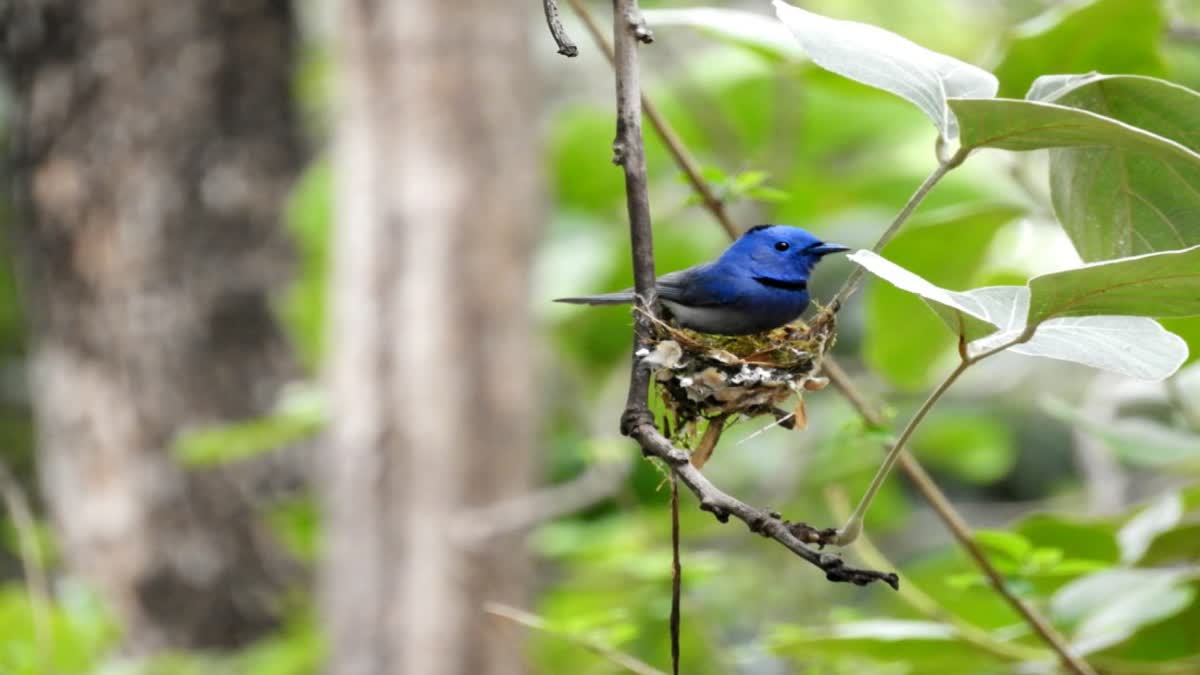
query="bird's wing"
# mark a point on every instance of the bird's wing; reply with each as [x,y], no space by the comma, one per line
[699,286]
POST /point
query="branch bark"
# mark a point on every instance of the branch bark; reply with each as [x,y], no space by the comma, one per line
[637,422]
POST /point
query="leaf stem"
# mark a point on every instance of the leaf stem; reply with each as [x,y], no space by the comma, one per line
[944,167]
[854,524]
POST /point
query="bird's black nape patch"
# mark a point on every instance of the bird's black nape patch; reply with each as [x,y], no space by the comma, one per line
[756,228]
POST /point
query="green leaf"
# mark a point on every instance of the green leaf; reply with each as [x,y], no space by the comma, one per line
[902,340]
[755,31]
[1114,36]
[923,646]
[1115,202]
[1176,545]
[1156,284]
[1110,606]
[1133,346]
[975,448]
[884,60]
[1014,124]
[1160,516]
[1187,328]
[1009,545]
[309,215]
[1135,440]
[1129,345]
[299,415]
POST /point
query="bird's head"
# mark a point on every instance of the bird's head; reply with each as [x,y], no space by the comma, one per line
[778,252]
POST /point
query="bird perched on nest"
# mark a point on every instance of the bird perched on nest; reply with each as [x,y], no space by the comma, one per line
[760,282]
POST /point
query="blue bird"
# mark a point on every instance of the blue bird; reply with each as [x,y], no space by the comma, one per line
[760,282]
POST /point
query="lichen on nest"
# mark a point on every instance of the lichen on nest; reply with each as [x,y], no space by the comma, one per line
[719,377]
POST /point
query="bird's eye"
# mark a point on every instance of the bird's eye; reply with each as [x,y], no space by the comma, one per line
[782,246]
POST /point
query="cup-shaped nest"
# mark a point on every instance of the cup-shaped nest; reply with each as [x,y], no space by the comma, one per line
[718,377]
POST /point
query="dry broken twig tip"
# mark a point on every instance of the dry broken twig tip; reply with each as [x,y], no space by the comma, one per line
[565,46]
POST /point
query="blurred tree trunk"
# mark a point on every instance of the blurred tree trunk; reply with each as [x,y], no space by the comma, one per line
[154,143]
[431,366]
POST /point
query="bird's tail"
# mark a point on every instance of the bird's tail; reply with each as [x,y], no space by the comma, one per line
[619,298]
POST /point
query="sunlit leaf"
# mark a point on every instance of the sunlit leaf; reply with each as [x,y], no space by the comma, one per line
[924,646]
[1009,545]
[309,219]
[970,315]
[298,416]
[884,60]
[1130,345]
[756,31]
[1109,607]
[1161,515]
[1179,544]
[999,315]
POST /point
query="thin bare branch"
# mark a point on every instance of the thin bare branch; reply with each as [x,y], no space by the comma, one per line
[769,524]
[565,46]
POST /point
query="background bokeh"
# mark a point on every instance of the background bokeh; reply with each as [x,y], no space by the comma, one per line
[1083,484]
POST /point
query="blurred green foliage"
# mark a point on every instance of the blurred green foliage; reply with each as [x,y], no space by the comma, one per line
[781,141]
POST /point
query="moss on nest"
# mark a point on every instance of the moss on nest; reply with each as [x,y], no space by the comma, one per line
[720,377]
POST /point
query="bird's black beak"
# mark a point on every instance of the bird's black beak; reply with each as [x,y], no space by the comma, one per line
[826,249]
